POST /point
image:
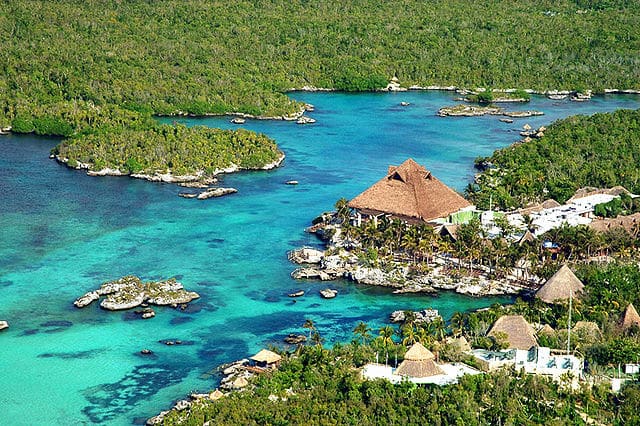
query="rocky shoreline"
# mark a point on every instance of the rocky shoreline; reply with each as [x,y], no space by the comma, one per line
[454,88]
[442,274]
[197,180]
[130,292]
[463,110]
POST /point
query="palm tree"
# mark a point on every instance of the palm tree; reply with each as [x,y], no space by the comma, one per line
[409,336]
[386,336]
[308,323]
[364,331]
[437,328]
[457,323]
[315,338]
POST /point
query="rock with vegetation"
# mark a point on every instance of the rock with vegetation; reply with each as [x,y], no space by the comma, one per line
[130,292]
[170,154]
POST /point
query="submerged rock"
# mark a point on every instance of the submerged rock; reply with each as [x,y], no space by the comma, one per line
[328,293]
[295,339]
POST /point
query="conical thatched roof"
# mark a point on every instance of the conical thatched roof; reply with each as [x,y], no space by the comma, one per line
[546,330]
[526,237]
[520,334]
[215,395]
[417,352]
[409,192]
[266,356]
[559,286]
[239,383]
[630,318]
[418,362]
[417,369]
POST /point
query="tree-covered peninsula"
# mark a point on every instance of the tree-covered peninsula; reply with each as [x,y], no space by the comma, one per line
[215,57]
[178,150]
[320,386]
[602,150]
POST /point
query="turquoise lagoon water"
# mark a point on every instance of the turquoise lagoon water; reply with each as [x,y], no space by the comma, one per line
[62,233]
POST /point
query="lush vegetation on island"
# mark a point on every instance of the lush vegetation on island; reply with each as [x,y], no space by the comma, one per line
[315,385]
[162,148]
[215,57]
[602,151]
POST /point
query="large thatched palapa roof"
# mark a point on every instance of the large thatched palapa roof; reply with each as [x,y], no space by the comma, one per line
[519,332]
[418,362]
[558,288]
[266,356]
[628,223]
[409,192]
[630,318]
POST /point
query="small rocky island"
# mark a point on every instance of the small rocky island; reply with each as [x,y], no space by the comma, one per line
[189,156]
[464,110]
[130,292]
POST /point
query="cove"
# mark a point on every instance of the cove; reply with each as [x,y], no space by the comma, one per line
[63,233]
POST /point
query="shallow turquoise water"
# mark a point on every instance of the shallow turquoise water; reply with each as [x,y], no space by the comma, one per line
[63,233]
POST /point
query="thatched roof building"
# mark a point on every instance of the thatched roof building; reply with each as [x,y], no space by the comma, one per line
[409,192]
[527,237]
[266,357]
[240,383]
[629,223]
[630,318]
[418,362]
[537,208]
[558,288]
[216,395]
[589,191]
[519,332]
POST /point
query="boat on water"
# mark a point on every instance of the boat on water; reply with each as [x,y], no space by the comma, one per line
[296,294]
[557,97]
[238,120]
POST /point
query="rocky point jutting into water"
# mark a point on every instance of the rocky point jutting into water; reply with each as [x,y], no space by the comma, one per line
[411,196]
[130,292]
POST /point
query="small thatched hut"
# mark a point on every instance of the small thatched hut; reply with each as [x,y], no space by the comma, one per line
[630,318]
[240,383]
[418,362]
[519,332]
[546,330]
[216,395]
[266,358]
[558,288]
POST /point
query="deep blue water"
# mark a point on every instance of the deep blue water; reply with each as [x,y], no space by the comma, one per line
[62,233]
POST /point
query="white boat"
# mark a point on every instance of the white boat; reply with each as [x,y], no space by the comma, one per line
[238,120]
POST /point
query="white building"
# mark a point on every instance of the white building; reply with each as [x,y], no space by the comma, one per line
[537,360]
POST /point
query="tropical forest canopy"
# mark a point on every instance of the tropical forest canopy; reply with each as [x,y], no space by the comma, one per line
[181,150]
[602,150]
[214,57]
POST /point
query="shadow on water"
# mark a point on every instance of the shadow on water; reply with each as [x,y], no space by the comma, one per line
[109,400]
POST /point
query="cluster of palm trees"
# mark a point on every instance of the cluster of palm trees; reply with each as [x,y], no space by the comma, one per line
[386,240]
